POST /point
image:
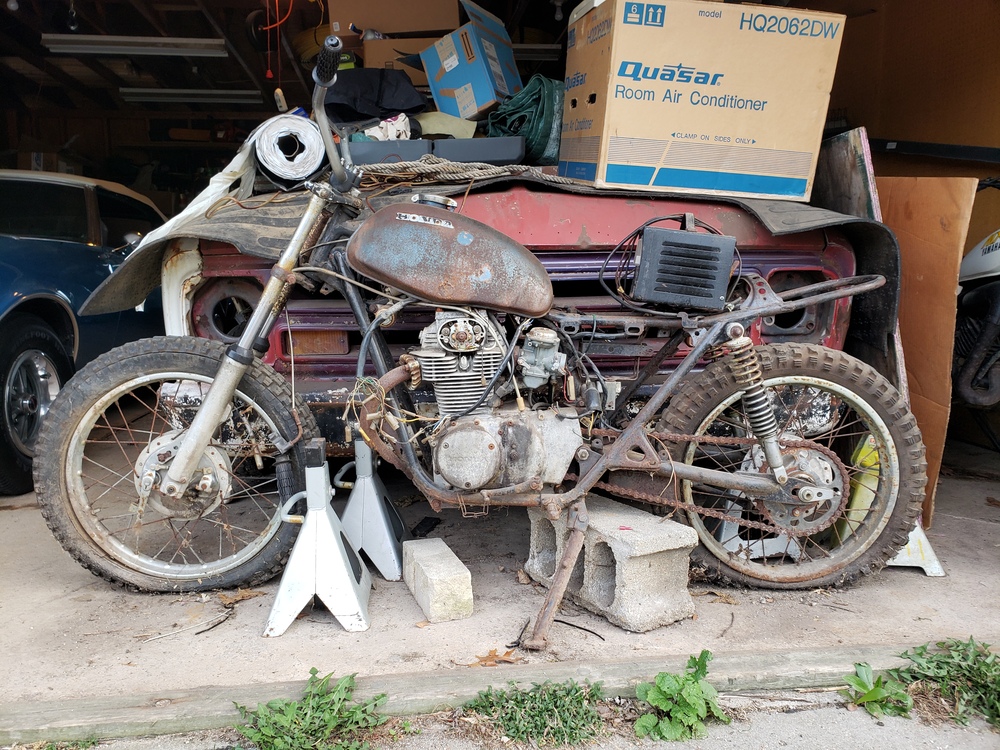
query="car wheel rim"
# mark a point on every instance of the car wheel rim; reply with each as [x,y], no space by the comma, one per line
[32,384]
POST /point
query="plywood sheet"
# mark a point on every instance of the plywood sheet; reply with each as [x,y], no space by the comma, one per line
[930,216]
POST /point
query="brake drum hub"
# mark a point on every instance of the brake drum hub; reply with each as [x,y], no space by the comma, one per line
[210,481]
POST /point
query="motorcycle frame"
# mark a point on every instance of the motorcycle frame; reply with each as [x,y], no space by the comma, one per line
[620,455]
[705,332]
[630,451]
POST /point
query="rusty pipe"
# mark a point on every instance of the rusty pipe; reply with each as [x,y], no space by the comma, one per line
[577,520]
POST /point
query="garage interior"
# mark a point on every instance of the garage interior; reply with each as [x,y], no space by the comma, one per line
[920,76]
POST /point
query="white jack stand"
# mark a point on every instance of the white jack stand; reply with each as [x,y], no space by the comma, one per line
[918,554]
[371,520]
[323,563]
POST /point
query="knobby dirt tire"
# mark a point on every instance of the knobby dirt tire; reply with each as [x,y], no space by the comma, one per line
[91,445]
[886,488]
[33,366]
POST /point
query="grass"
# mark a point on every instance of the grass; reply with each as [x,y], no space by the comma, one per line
[324,719]
[963,675]
[546,714]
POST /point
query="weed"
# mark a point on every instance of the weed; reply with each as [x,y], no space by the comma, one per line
[547,714]
[681,703]
[877,695]
[324,719]
[966,673]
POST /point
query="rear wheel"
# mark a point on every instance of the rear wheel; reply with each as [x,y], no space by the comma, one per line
[114,423]
[33,367]
[844,428]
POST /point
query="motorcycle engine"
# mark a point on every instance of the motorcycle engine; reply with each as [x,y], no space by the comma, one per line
[492,446]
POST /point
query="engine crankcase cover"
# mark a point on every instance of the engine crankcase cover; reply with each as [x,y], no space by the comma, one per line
[508,447]
[446,258]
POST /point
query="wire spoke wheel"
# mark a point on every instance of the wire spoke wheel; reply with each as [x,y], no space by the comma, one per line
[116,425]
[845,430]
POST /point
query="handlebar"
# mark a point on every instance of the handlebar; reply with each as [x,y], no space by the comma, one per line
[343,178]
[325,73]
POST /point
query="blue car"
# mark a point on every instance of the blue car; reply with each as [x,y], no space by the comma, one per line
[60,236]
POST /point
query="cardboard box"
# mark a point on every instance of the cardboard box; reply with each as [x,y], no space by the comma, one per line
[393,16]
[48,161]
[383,53]
[472,70]
[695,97]
[930,217]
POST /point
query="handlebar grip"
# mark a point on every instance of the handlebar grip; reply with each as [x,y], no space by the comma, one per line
[327,62]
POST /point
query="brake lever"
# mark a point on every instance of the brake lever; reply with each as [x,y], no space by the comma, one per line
[344,177]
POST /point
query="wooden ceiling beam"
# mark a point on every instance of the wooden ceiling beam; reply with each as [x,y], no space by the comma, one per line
[12,45]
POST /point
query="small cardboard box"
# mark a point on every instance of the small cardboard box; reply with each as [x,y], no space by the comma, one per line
[48,161]
[384,53]
[393,16]
[472,70]
[696,97]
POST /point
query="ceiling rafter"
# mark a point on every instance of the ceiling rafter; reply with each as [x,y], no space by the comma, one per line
[56,96]
[220,30]
[37,61]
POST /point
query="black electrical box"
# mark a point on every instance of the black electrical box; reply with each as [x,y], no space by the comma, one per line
[683,269]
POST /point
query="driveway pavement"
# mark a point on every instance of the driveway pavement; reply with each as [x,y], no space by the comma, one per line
[82,658]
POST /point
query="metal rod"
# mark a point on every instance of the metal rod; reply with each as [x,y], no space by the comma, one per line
[231,370]
[577,520]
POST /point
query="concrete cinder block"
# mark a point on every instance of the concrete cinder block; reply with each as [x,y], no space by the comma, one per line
[438,580]
[633,568]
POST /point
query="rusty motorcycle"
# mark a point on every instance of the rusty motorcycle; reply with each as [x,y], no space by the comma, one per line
[165,463]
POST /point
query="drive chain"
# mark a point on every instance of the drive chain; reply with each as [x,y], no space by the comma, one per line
[677,504]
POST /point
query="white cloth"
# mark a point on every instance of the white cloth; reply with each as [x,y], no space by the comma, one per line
[262,141]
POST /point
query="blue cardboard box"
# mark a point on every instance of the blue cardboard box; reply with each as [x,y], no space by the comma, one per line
[472,70]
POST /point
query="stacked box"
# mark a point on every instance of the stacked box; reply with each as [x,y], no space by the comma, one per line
[472,70]
[696,97]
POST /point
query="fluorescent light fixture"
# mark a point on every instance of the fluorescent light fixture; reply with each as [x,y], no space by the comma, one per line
[192,96]
[97,44]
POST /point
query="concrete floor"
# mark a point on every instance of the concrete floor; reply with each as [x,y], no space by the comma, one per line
[71,642]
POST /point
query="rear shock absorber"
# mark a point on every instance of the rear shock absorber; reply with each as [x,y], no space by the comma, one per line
[744,363]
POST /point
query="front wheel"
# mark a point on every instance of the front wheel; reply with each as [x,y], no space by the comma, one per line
[115,420]
[844,428]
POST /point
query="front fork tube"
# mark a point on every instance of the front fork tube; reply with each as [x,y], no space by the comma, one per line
[744,363]
[240,355]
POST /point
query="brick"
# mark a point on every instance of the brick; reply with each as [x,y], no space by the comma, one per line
[438,580]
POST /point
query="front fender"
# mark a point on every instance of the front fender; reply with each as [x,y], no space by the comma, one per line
[261,226]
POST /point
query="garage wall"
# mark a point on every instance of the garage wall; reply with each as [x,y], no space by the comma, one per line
[925,71]
[921,70]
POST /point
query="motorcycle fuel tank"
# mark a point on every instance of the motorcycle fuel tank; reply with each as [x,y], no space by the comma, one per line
[446,258]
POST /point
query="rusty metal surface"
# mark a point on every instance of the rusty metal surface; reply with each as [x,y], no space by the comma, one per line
[568,221]
[447,258]
[567,218]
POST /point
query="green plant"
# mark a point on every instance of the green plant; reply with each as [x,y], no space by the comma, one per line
[966,673]
[325,718]
[681,703]
[548,714]
[877,695]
